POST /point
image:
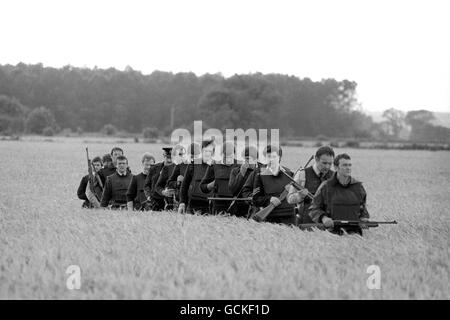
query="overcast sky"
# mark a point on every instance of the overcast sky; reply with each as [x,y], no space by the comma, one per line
[397,51]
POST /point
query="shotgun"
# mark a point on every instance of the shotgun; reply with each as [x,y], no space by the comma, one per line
[343,223]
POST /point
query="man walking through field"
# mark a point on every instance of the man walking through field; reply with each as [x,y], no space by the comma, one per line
[217,177]
[115,191]
[269,184]
[310,179]
[192,199]
[136,199]
[340,198]
[82,189]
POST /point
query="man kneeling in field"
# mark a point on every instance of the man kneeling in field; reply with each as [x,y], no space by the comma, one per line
[115,191]
[340,198]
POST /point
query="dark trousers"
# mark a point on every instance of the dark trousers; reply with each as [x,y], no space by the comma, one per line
[198,207]
[349,230]
[220,207]
[118,206]
[289,220]
[157,204]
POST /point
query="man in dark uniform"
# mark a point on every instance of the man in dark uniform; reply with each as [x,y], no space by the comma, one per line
[238,178]
[97,164]
[109,169]
[136,199]
[176,179]
[190,194]
[217,177]
[311,178]
[116,186]
[340,198]
[178,154]
[155,198]
[269,184]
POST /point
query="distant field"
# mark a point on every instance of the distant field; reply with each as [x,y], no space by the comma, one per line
[164,255]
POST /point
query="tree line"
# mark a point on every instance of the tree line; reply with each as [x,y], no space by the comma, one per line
[34,99]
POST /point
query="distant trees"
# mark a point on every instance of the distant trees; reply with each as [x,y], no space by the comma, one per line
[12,115]
[108,100]
[395,121]
[150,133]
[109,129]
[92,98]
[423,130]
[39,119]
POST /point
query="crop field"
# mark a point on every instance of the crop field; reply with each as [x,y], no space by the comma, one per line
[164,255]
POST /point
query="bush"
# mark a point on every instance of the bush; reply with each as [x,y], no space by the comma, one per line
[67,132]
[79,131]
[318,144]
[321,137]
[109,130]
[150,140]
[48,132]
[352,144]
[150,133]
[334,144]
[12,115]
[39,119]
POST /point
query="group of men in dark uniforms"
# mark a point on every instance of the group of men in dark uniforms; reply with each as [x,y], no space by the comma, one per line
[190,181]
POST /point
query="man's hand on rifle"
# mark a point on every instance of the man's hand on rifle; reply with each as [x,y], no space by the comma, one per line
[275,201]
[181,208]
[299,195]
[364,220]
[180,179]
[327,222]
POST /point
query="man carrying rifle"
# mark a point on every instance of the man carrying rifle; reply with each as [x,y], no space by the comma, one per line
[82,189]
[153,194]
[115,191]
[217,177]
[310,179]
[269,184]
[176,178]
[340,198]
[136,199]
[238,177]
[192,199]
[178,157]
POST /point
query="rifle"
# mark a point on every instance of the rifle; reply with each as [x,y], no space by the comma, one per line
[230,199]
[262,214]
[343,223]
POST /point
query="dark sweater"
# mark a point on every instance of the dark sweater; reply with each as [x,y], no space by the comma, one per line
[116,187]
[82,188]
[266,185]
[135,191]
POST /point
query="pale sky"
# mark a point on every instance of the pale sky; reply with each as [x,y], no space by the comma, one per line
[397,51]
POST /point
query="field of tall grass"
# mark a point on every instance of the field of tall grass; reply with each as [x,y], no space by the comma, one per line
[163,255]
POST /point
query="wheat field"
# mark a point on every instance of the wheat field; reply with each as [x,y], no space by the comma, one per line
[164,255]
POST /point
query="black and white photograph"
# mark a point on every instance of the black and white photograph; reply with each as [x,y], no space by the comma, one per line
[225,151]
